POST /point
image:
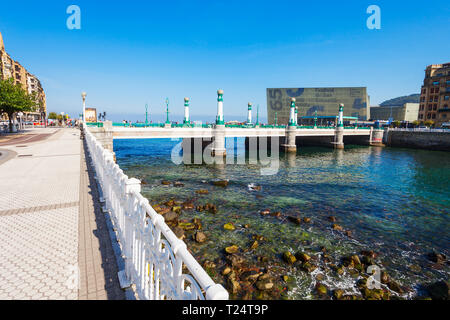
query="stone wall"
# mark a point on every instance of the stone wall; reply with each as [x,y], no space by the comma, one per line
[418,140]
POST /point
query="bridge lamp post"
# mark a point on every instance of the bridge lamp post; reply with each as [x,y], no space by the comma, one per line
[83,96]
[219,119]
[296,115]
[276,118]
[257,115]
[292,113]
[146,114]
[341,116]
[249,114]
[315,119]
[187,119]
[167,111]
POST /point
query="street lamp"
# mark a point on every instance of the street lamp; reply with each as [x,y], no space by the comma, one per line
[83,95]
[20,114]
[146,114]
[315,119]
[167,111]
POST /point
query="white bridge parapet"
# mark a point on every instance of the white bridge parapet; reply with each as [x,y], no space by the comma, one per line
[154,256]
[153,133]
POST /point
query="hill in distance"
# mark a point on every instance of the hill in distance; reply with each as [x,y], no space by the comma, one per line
[413,98]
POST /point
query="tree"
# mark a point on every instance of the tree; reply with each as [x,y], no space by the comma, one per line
[429,123]
[13,98]
[416,123]
[52,115]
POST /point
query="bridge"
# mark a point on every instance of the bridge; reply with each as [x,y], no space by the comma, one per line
[289,136]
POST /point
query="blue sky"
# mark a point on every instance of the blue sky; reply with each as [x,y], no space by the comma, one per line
[129,53]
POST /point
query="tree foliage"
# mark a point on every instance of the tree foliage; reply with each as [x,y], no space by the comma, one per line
[13,99]
[52,115]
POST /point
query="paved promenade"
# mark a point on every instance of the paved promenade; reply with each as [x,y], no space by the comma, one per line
[54,242]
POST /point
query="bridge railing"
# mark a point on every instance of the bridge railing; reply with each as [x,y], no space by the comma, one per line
[156,261]
[420,130]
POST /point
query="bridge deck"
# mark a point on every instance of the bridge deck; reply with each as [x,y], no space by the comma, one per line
[153,133]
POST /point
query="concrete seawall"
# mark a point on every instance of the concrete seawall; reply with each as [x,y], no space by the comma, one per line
[418,140]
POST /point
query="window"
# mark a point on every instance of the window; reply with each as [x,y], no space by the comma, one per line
[436,83]
[430,106]
[436,98]
[448,82]
[447,89]
[445,106]
[434,116]
[446,98]
[432,90]
[436,91]
[435,107]
[429,116]
[444,115]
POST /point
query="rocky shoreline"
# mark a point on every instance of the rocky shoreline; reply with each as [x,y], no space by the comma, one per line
[250,273]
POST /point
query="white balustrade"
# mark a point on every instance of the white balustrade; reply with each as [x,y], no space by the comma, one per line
[156,261]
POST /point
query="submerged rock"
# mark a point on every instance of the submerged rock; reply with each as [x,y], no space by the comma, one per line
[439,290]
[306,220]
[337,227]
[289,257]
[229,226]
[220,183]
[308,267]
[200,237]
[232,249]
[338,294]
[276,214]
[202,191]
[166,183]
[170,216]
[295,220]
[254,245]
[179,232]
[178,184]
[303,257]
[186,226]
[264,212]
[436,257]
[188,206]
[321,289]
[332,219]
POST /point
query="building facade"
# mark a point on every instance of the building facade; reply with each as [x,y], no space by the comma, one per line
[13,69]
[323,100]
[435,95]
[407,112]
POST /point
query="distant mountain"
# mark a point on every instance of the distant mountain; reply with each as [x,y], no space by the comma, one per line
[414,98]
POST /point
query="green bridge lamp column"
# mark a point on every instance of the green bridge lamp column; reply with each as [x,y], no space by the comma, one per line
[276,118]
[292,121]
[341,115]
[186,111]
[219,119]
[249,114]
[146,114]
[315,119]
[296,115]
[167,111]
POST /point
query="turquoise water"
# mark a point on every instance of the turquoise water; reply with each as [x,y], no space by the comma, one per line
[394,201]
